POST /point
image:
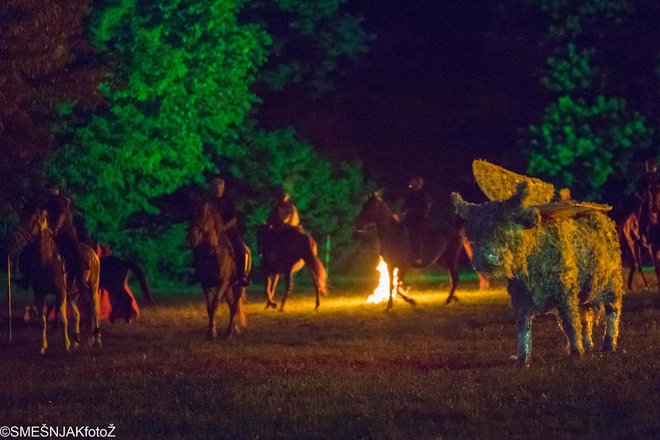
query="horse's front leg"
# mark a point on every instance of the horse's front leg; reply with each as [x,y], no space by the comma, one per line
[61,306]
[211,295]
[233,296]
[288,278]
[40,303]
[76,320]
[453,274]
[95,313]
[390,302]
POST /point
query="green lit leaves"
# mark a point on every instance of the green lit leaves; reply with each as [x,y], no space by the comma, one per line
[571,71]
[579,142]
[181,86]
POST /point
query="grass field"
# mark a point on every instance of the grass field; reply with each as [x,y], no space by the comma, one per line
[347,371]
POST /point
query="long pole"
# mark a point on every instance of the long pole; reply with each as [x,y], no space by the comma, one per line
[9,294]
[327,255]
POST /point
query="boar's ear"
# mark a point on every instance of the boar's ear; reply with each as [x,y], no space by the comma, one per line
[462,207]
[522,192]
[528,218]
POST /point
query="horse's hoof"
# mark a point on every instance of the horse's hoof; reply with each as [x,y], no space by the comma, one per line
[522,364]
[42,351]
[97,343]
[212,335]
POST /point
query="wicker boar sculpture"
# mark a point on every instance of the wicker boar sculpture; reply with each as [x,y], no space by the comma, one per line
[568,263]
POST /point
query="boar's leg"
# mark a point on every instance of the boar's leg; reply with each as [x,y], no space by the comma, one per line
[523,306]
[588,317]
[569,312]
[612,315]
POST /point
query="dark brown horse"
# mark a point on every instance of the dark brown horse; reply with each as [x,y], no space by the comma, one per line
[442,250]
[48,276]
[215,268]
[285,250]
[638,244]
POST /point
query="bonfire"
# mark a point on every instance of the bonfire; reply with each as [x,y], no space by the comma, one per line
[382,292]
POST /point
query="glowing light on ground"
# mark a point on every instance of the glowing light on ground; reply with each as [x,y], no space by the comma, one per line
[382,291]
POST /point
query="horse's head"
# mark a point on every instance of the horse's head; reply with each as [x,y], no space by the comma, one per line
[206,225]
[32,223]
[374,211]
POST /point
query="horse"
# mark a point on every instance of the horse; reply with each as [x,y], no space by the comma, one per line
[286,250]
[215,268]
[442,250]
[49,276]
[638,243]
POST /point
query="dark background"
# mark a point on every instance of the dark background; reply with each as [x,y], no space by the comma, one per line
[443,82]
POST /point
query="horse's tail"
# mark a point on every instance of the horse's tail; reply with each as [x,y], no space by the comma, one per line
[484,283]
[316,268]
[142,279]
[95,280]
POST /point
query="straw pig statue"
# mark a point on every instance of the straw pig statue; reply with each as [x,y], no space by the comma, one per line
[568,264]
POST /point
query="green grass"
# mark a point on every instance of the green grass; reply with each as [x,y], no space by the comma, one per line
[347,371]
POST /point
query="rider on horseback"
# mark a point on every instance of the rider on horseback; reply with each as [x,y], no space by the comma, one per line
[650,198]
[284,212]
[414,215]
[227,211]
[60,220]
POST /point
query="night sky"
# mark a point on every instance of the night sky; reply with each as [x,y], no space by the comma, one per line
[440,86]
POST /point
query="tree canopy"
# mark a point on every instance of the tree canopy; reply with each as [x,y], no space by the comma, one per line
[181,108]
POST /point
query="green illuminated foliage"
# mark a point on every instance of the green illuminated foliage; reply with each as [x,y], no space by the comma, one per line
[180,90]
[180,109]
[588,140]
[584,145]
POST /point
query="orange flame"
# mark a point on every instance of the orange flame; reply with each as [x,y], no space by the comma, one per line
[382,291]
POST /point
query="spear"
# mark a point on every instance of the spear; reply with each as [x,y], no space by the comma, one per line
[9,293]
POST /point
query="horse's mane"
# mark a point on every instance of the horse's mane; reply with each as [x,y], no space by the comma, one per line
[207,224]
[387,209]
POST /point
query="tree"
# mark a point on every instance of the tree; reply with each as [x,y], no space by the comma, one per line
[45,62]
[312,40]
[180,101]
[588,139]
